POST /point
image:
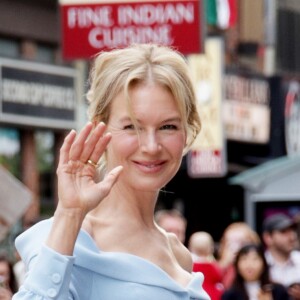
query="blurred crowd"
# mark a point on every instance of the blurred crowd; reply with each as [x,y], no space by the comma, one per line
[12,269]
[244,265]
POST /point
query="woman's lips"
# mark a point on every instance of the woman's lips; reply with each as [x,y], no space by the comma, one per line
[150,166]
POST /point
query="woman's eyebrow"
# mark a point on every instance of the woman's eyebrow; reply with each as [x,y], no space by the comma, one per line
[125,119]
[171,119]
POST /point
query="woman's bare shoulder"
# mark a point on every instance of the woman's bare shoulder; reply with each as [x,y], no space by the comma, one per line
[87,224]
[181,253]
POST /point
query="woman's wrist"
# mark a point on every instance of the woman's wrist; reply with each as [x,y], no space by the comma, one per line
[64,231]
[77,213]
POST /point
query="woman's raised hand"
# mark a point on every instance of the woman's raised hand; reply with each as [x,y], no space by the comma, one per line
[79,154]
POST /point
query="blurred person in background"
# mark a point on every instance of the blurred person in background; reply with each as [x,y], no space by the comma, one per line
[202,247]
[8,284]
[233,238]
[296,220]
[281,241]
[172,220]
[252,280]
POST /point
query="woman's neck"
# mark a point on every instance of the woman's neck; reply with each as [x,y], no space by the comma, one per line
[125,202]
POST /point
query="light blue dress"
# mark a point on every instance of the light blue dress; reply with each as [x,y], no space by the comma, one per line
[93,274]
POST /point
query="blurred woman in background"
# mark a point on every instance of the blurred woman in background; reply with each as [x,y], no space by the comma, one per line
[252,280]
[8,284]
[235,236]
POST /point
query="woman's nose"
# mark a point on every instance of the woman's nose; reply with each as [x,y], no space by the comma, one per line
[150,142]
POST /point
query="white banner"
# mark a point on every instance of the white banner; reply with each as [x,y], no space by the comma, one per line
[15,198]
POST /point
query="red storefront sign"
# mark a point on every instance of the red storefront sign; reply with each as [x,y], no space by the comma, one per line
[88,28]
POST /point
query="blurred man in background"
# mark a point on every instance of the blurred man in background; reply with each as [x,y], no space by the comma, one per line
[172,221]
[281,241]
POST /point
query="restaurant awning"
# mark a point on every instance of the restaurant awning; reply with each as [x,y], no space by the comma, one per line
[276,180]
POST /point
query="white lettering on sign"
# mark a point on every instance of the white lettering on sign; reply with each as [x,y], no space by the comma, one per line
[252,90]
[206,162]
[246,121]
[32,93]
[155,14]
[118,37]
[142,23]
[86,17]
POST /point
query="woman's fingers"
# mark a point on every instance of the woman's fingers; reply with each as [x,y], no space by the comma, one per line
[95,141]
[79,144]
[86,147]
[89,144]
[100,147]
[65,149]
[109,180]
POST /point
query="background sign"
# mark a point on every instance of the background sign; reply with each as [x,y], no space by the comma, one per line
[291,92]
[92,26]
[207,156]
[37,95]
[247,113]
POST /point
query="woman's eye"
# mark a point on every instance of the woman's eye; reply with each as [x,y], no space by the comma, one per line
[169,127]
[129,127]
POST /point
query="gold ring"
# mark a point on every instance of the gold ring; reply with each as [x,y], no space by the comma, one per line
[92,163]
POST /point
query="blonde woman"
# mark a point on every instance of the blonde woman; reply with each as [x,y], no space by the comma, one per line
[103,242]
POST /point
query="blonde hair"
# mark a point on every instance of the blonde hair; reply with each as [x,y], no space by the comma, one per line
[121,69]
[202,244]
[250,236]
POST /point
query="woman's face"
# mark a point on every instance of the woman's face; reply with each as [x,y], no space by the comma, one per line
[236,238]
[250,266]
[150,154]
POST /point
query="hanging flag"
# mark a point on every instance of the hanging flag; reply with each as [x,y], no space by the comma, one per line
[211,12]
[226,13]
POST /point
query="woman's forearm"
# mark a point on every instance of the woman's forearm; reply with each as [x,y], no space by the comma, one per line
[64,231]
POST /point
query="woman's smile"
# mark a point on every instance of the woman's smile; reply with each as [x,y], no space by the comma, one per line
[150,166]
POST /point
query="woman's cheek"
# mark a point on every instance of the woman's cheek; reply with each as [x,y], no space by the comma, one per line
[176,142]
[123,141]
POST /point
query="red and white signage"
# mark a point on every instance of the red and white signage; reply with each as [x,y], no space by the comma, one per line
[93,26]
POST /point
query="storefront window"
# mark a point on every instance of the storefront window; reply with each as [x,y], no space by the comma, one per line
[9,48]
[45,54]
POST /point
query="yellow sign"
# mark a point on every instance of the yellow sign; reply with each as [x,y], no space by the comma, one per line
[207,156]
